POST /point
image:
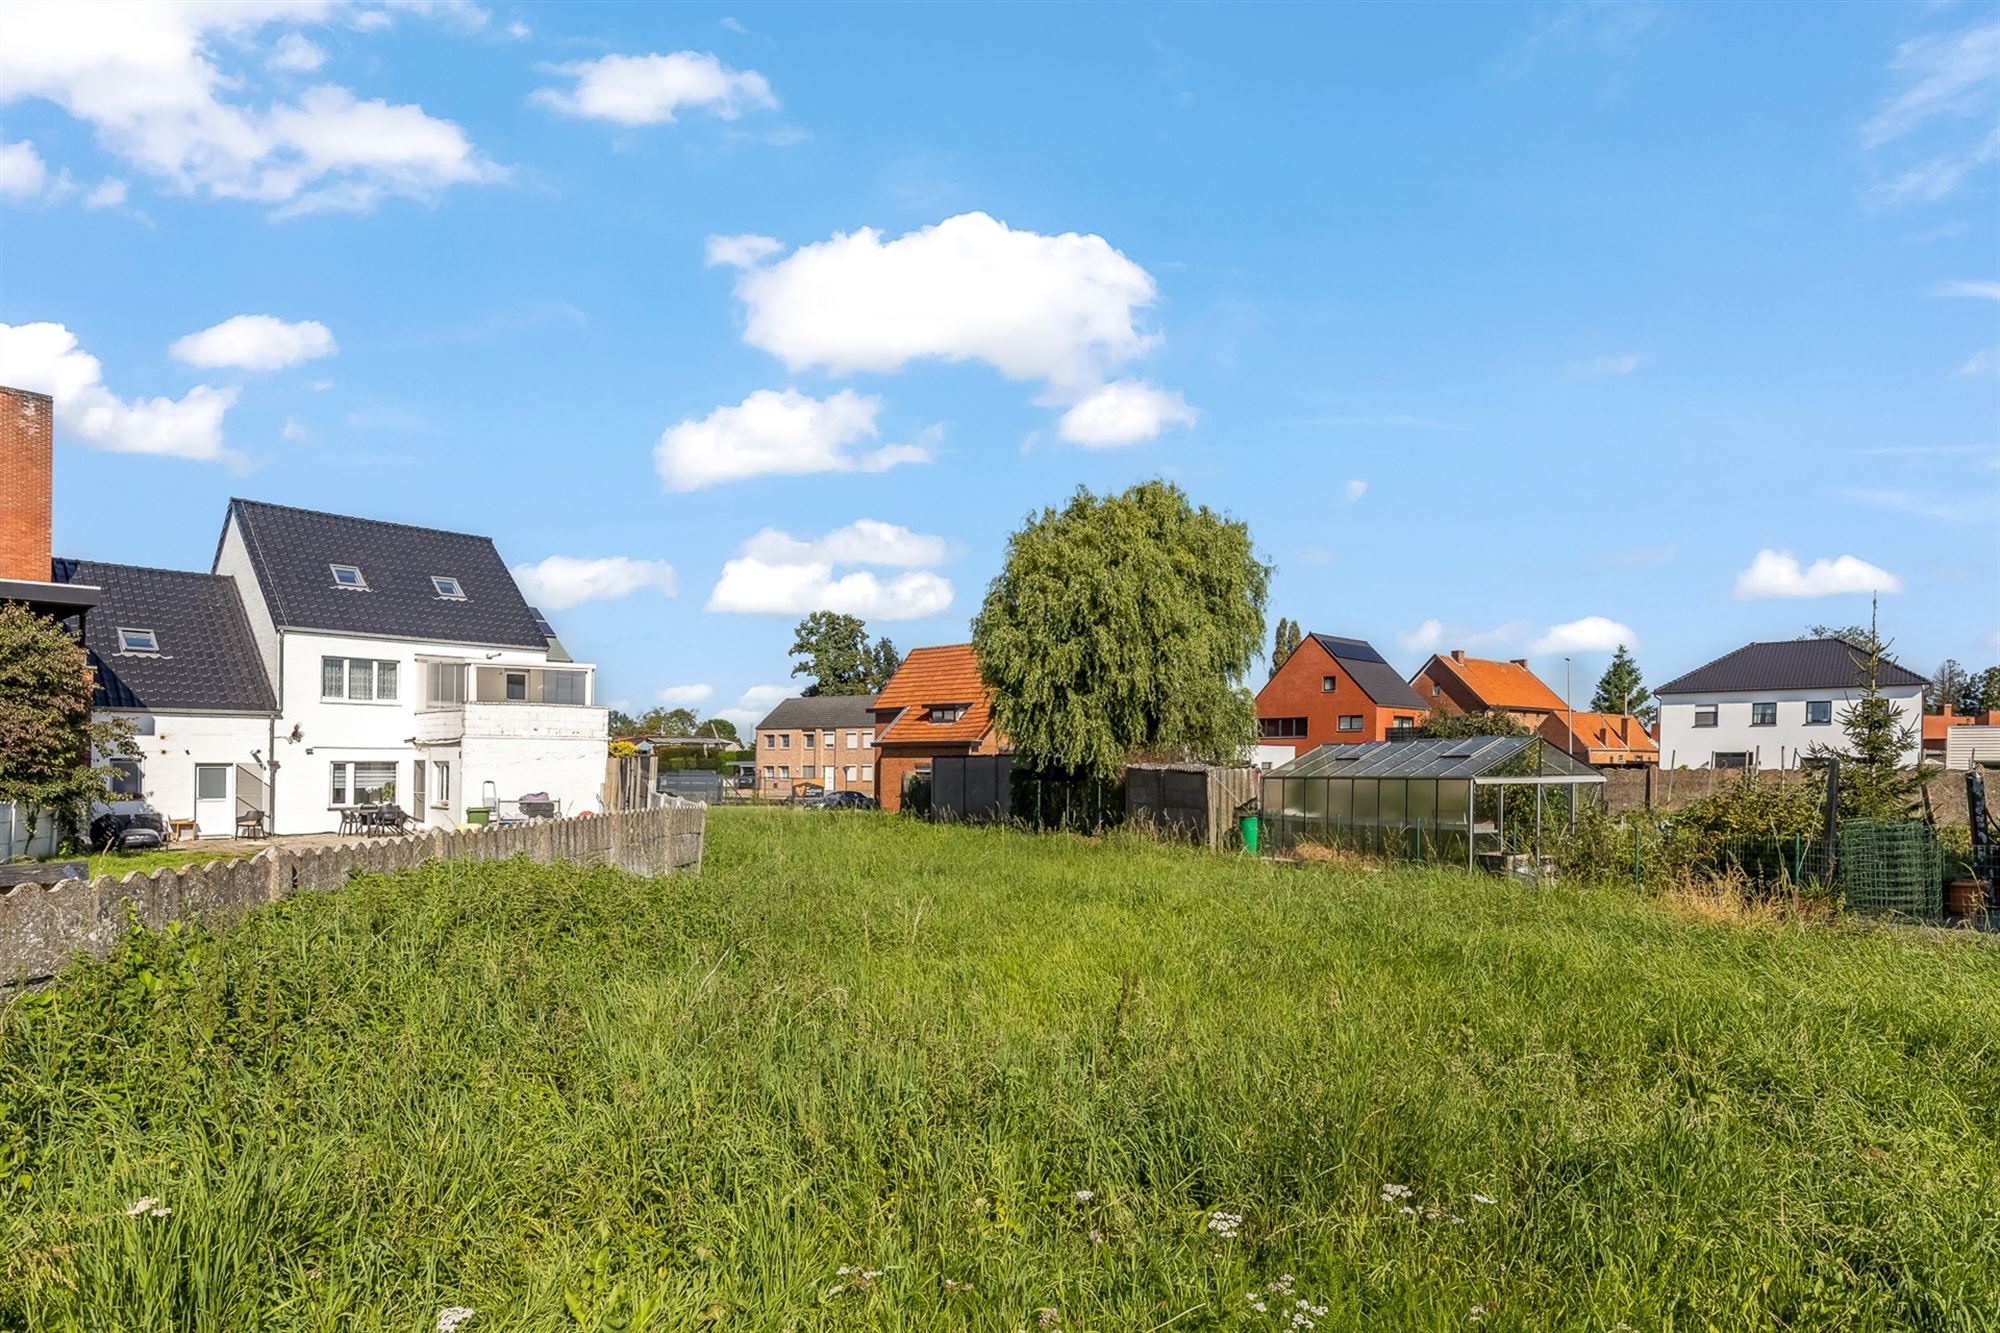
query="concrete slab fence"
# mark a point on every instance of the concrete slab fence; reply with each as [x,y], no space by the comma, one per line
[42,927]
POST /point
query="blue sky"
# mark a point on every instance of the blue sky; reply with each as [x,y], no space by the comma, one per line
[1519,329]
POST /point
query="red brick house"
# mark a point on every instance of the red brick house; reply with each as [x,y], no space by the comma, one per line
[1333,690]
[934,705]
[1461,684]
[1602,740]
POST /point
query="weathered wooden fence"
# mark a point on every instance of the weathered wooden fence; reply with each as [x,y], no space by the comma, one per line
[1191,801]
[43,926]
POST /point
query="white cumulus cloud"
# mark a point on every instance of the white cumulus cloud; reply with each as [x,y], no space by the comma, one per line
[744,251]
[1435,636]
[686,696]
[650,89]
[47,359]
[1592,634]
[779,432]
[1779,574]
[1123,412]
[166,88]
[295,54]
[22,172]
[255,342]
[755,704]
[1354,490]
[778,574]
[562,581]
[1063,309]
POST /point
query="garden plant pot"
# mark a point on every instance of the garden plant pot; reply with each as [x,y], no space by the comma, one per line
[1963,897]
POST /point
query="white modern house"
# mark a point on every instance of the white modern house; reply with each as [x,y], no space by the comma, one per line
[329,663]
[1768,705]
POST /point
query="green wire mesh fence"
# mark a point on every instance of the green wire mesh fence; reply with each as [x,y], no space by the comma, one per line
[1893,868]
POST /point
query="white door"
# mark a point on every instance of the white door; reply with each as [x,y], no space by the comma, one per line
[828,771]
[213,815]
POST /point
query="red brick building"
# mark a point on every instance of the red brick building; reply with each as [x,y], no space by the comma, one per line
[1602,740]
[1334,691]
[934,705]
[1460,684]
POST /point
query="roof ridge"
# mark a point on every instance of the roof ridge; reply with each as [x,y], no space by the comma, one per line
[149,569]
[359,518]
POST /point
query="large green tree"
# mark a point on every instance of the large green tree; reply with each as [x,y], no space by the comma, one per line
[1873,782]
[833,649]
[1621,689]
[47,730]
[1120,624]
[1982,692]
[1284,642]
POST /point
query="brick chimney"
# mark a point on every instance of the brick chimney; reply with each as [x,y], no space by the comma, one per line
[26,485]
[1521,662]
[1458,654]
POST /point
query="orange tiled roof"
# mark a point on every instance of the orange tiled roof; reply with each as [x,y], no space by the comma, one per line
[947,675]
[1599,731]
[1502,684]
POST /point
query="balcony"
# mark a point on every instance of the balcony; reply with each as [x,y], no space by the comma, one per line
[480,699]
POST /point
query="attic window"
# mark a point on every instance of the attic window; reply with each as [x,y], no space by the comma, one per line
[448,587]
[347,576]
[944,712]
[137,641]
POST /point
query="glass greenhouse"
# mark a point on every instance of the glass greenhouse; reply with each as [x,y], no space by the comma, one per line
[1464,800]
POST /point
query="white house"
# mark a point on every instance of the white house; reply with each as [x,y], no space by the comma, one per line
[1768,705]
[408,668]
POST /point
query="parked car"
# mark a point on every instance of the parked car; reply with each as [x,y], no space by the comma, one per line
[843,800]
[126,826]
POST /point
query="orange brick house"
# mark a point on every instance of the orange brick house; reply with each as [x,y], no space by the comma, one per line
[934,705]
[1461,684]
[1936,725]
[1334,690]
[1602,740]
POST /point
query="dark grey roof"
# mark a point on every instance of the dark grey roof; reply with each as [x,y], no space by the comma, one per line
[821,712]
[1377,679]
[293,550]
[1429,757]
[1794,664]
[207,662]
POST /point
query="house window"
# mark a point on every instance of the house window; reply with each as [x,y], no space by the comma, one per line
[517,686]
[1280,728]
[830,738]
[445,683]
[1705,717]
[1819,712]
[127,779]
[785,740]
[1763,715]
[563,687]
[868,772]
[363,784]
[811,738]
[357,679]
[944,712]
[448,587]
[1405,724]
[137,641]
[770,740]
[847,772]
[1348,722]
[769,772]
[785,772]
[867,740]
[1326,684]
[1731,759]
[850,740]
[347,576]
[441,783]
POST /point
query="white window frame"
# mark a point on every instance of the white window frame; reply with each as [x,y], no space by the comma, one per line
[448,588]
[375,667]
[868,772]
[128,636]
[340,779]
[358,581]
[440,783]
[851,741]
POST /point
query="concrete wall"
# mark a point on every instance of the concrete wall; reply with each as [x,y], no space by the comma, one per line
[24,837]
[43,927]
[1684,745]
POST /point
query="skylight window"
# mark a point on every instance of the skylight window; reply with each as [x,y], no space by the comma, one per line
[448,587]
[347,576]
[137,641]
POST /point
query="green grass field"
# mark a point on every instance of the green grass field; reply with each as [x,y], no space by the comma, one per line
[866,1073]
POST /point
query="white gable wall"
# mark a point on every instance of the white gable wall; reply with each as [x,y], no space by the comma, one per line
[171,744]
[1684,745]
[232,558]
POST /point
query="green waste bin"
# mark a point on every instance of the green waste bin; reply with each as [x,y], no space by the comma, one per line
[477,815]
[1249,826]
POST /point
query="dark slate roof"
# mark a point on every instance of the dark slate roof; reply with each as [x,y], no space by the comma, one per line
[1377,679]
[292,551]
[1795,664]
[822,712]
[207,662]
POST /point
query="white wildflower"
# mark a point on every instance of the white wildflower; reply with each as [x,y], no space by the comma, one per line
[451,1317]
[1476,1313]
[1225,1225]
[1391,1193]
[147,1206]
[1481,1198]
[1084,1196]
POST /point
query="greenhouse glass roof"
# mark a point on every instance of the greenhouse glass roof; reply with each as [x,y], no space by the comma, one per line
[1493,759]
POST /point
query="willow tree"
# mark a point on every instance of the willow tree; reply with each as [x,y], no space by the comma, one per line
[1120,624]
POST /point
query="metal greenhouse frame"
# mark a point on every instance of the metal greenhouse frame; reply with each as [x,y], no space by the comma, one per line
[1439,799]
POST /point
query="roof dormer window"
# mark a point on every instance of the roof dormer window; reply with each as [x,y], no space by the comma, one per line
[347,576]
[944,712]
[137,641]
[448,587]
